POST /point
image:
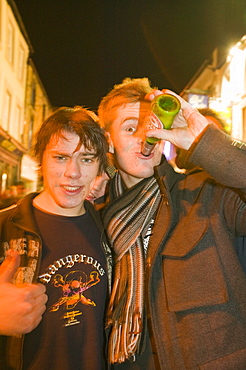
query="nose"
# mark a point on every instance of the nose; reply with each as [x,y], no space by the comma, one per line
[140,133]
[73,169]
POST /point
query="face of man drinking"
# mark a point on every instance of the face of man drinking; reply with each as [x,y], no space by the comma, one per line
[127,134]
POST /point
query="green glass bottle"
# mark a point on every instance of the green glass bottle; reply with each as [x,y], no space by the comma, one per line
[164,108]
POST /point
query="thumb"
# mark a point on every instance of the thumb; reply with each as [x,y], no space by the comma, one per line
[9,267]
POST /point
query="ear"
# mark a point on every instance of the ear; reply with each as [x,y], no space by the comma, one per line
[110,142]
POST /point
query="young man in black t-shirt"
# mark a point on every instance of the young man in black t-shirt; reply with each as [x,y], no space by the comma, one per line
[60,243]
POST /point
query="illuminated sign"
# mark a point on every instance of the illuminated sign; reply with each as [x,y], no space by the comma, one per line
[198,101]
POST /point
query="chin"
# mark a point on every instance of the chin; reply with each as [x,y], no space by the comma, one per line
[144,174]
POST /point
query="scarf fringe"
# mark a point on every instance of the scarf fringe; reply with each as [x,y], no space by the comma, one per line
[125,339]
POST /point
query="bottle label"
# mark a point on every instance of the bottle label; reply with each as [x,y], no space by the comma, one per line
[152,122]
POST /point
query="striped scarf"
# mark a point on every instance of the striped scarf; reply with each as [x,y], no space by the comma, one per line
[127,218]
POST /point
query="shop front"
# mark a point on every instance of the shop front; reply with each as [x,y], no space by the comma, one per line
[11,153]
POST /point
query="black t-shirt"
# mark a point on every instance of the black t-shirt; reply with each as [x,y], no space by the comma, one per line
[73,269]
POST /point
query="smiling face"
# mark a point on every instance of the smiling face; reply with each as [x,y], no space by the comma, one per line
[127,134]
[68,173]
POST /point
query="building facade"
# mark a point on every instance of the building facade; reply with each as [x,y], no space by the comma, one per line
[220,84]
[14,51]
[23,101]
[36,109]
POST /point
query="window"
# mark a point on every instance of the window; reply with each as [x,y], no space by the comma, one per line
[20,68]
[17,129]
[237,66]
[6,110]
[30,132]
[33,93]
[10,43]
[0,22]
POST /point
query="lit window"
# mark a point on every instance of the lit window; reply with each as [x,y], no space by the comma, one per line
[17,123]
[6,110]
[0,22]
[21,57]
[10,43]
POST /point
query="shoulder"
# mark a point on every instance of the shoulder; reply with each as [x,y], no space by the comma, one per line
[21,207]
[93,212]
[90,207]
[6,212]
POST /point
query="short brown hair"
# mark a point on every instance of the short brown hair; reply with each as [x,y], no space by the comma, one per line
[80,121]
[131,90]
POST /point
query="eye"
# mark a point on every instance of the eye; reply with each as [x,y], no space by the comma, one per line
[88,160]
[60,157]
[130,125]
[131,129]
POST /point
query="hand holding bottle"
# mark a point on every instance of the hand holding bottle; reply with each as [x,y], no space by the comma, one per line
[164,108]
[187,125]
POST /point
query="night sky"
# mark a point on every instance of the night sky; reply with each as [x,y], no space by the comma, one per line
[84,47]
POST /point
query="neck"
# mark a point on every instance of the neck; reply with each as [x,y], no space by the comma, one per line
[128,180]
[46,204]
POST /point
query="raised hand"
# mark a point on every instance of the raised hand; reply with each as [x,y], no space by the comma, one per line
[187,125]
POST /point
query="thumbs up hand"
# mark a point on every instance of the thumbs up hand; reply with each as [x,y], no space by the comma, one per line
[21,307]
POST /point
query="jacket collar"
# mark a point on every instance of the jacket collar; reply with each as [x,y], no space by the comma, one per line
[23,213]
[95,214]
[165,173]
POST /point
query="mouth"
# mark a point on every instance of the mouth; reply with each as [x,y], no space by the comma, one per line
[141,156]
[72,189]
[91,197]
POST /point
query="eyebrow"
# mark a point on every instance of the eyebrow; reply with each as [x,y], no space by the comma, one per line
[130,118]
[84,154]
